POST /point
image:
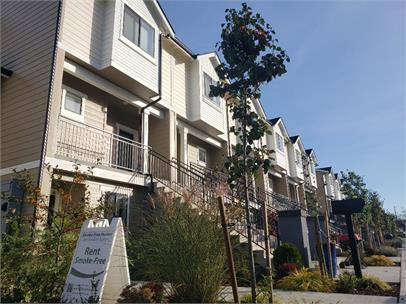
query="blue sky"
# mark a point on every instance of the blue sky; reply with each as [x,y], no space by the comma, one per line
[344,91]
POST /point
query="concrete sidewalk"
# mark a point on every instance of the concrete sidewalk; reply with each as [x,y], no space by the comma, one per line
[297,297]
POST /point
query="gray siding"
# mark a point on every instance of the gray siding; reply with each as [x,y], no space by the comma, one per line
[28,31]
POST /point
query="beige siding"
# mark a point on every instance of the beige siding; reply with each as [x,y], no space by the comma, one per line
[176,68]
[102,110]
[129,61]
[215,156]
[83,30]
[159,135]
[28,31]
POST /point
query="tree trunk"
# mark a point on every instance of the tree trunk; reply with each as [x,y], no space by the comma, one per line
[319,248]
[247,208]
[330,262]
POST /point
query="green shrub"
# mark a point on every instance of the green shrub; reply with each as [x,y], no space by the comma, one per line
[286,253]
[378,260]
[346,283]
[387,251]
[305,280]
[182,247]
[395,243]
[372,285]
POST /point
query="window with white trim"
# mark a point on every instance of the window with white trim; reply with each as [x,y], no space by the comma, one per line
[138,31]
[280,145]
[208,81]
[202,156]
[312,169]
[298,157]
[73,104]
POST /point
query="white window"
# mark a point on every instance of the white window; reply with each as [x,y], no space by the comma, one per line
[73,103]
[298,157]
[312,168]
[208,81]
[279,143]
[202,156]
[138,31]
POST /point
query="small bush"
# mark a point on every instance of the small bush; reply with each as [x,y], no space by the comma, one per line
[387,251]
[346,283]
[286,253]
[372,286]
[395,243]
[287,268]
[147,293]
[305,280]
[369,285]
[183,247]
[378,260]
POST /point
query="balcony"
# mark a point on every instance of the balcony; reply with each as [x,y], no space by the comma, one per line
[90,145]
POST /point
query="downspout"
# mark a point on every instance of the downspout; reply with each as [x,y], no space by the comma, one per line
[159,96]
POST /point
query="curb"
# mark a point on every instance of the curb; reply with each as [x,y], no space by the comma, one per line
[402,293]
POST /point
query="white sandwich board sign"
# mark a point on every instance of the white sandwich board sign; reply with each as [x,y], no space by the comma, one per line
[99,268]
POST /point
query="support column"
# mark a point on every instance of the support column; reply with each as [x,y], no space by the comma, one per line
[183,145]
[144,138]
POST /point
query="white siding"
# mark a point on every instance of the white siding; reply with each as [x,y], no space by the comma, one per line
[92,33]
[176,81]
[125,58]
[281,158]
[201,107]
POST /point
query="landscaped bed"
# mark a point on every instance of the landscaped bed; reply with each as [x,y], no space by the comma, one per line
[308,280]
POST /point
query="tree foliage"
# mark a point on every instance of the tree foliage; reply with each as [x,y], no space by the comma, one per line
[252,57]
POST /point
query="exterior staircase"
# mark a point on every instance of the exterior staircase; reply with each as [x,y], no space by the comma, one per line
[207,184]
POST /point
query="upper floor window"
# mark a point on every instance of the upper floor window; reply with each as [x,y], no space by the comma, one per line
[208,81]
[279,143]
[202,157]
[73,104]
[298,157]
[138,31]
[312,169]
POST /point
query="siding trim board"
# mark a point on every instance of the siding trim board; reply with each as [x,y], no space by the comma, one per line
[20,167]
[50,89]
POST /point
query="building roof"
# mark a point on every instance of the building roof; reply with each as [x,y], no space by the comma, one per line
[274,121]
[328,169]
[294,139]
[6,72]
[309,151]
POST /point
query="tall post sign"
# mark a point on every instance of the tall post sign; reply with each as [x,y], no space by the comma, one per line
[348,207]
[99,268]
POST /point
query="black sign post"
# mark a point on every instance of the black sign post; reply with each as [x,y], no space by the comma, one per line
[348,207]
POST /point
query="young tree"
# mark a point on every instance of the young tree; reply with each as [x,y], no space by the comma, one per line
[252,58]
[353,186]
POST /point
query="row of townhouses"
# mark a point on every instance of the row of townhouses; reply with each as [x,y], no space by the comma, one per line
[108,84]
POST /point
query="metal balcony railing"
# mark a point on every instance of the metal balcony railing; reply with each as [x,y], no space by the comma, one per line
[92,145]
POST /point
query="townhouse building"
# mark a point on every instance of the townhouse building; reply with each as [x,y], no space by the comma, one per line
[112,84]
[108,84]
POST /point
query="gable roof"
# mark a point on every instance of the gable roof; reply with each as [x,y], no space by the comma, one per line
[274,121]
[294,139]
[279,120]
[166,24]
[309,152]
[327,169]
[312,154]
